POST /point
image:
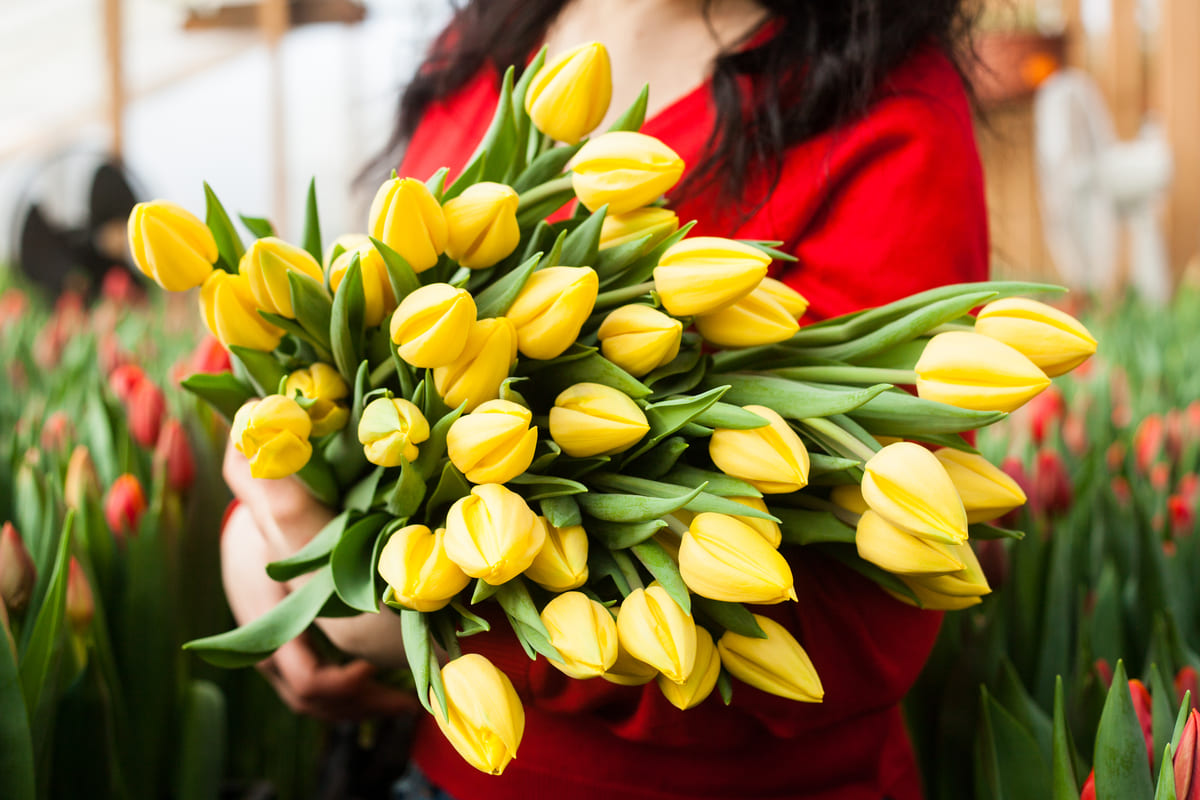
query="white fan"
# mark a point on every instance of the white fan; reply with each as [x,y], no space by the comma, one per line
[1090,183]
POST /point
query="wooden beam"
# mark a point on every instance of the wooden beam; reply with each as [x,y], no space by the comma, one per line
[1180,97]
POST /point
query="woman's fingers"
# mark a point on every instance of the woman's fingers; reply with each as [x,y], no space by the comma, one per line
[286,514]
[332,692]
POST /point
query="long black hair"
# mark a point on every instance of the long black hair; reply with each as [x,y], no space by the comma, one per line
[823,66]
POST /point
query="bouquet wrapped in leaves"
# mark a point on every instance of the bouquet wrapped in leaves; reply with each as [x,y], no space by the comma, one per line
[529,388]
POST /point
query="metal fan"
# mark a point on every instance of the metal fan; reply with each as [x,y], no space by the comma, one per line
[1091,183]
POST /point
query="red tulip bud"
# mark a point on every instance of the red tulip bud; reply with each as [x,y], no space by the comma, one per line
[1089,787]
[1075,435]
[1187,783]
[1160,476]
[1176,434]
[13,304]
[112,354]
[81,482]
[81,605]
[17,571]
[210,357]
[1052,492]
[173,456]
[1120,489]
[1104,672]
[118,287]
[124,379]
[57,432]
[1148,441]
[1045,412]
[1141,705]
[1182,510]
[146,406]
[124,506]
[1186,680]
[1015,469]
[1115,456]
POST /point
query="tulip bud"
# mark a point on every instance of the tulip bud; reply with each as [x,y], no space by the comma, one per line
[379,299]
[561,564]
[81,605]
[231,313]
[706,273]
[1089,787]
[170,245]
[703,679]
[624,170]
[794,302]
[482,225]
[1181,509]
[18,573]
[906,485]
[591,419]
[987,493]
[407,218]
[390,430]
[266,265]
[209,357]
[629,671]
[1148,442]
[934,601]
[657,223]
[970,370]
[1186,763]
[777,665]
[551,309]
[325,387]
[654,629]
[772,458]
[569,96]
[173,456]
[146,407]
[124,506]
[1188,680]
[724,559]
[81,483]
[1142,707]
[475,376]
[431,326]
[5,625]
[966,582]
[494,443]
[756,319]
[1052,490]
[1054,341]
[639,339]
[124,379]
[899,552]
[273,434]
[849,496]
[419,574]
[493,534]
[583,632]
[1045,412]
[56,432]
[768,529]
[485,719]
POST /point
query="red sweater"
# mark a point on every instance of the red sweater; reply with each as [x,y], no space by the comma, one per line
[888,206]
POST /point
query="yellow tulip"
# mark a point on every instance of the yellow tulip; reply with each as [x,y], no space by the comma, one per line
[966,582]
[756,319]
[379,299]
[772,458]
[703,679]
[591,419]
[232,315]
[475,376]
[655,222]
[901,553]
[551,309]
[390,430]
[431,326]
[704,274]
[266,264]
[639,338]
[768,529]
[569,96]
[970,370]
[419,574]
[723,558]
[494,443]
[1053,340]
[795,303]
[987,491]
[561,564]
[850,497]
[492,534]
[323,385]
[405,216]
[934,601]
[624,170]
[777,665]
[627,670]
[583,632]
[906,485]
[654,629]
[482,225]
[272,434]
[170,245]
[486,721]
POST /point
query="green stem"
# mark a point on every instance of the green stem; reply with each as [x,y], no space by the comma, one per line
[626,565]
[849,443]
[951,326]
[805,500]
[539,193]
[382,372]
[865,376]
[616,297]
[675,525]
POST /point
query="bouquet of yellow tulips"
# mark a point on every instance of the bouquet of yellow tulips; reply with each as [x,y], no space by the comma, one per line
[590,419]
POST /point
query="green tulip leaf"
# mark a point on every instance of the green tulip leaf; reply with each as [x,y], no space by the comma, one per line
[602,564]
[433,450]
[263,368]
[731,417]
[222,391]
[514,598]
[806,526]
[704,501]
[792,399]
[725,687]
[437,183]
[401,275]
[521,122]
[897,413]
[41,653]
[313,307]
[312,223]
[986,531]
[822,464]
[405,498]
[728,616]
[1013,766]
[201,751]
[470,623]
[583,244]
[17,774]
[718,483]
[313,554]
[229,244]
[500,143]
[1065,784]
[417,637]
[495,300]
[557,374]
[346,322]
[1163,712]
[318,476]
[1122,772]
[1185,707]
[771,248]
[622,535]
[1166,777]
[658,460]
[451,486]
[632,507]
[257,639]
[611,262]
[665,570]
[540,487]
[260,227]
[561,511]
[668,416]
[642,269]
[353,565]
[633,117]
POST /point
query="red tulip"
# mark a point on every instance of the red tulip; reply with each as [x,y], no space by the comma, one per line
[1176,434]
[1120,489]
[146,407]
[1089,787]
[1186,680]
[1187,783]
[124,379]
[112,353]
[1148,441]
[119,287]
[57,432]
[13,304]
[1045,412]
[173,456]
[124,506]
[1182,511]
[1189,486]
[210,357]
[1015,469]
[1160,476]
[1115,456]
[17,570]
[81,605]
[1052,491]
[1074,434]
[1104,672]
[1141,705]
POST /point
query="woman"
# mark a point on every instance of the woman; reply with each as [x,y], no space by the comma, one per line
[843,130]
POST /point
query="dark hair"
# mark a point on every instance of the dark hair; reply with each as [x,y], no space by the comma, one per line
[823,65]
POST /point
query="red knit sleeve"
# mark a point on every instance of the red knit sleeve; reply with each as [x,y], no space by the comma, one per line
[893,205]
